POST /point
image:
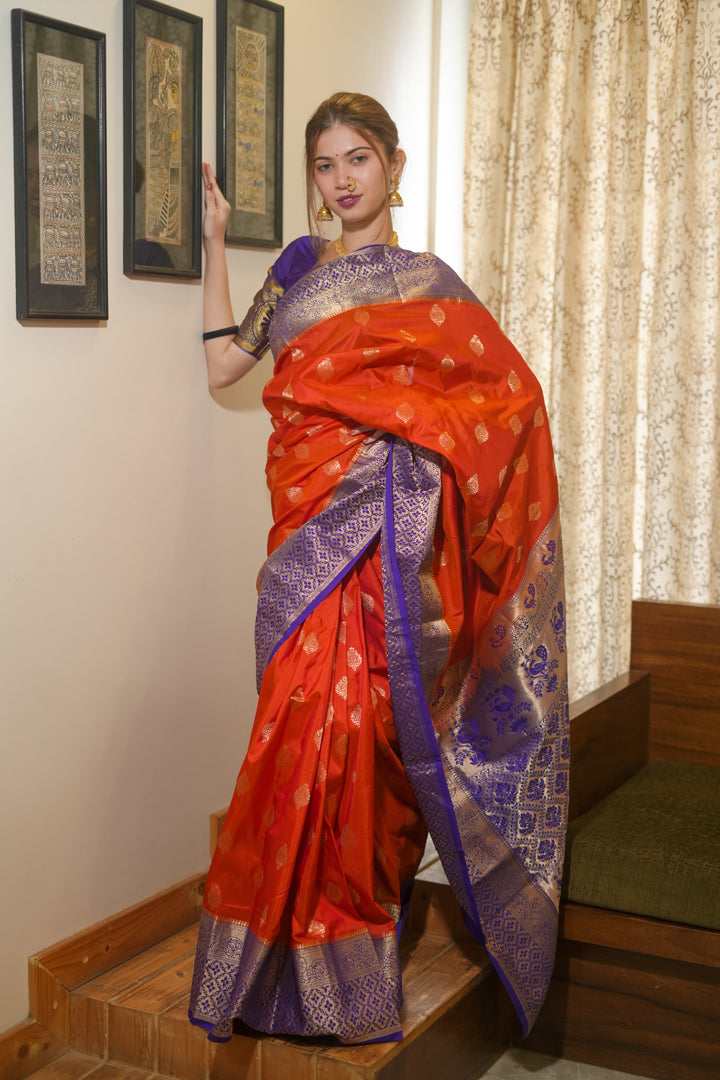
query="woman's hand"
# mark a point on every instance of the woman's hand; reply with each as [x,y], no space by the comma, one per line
[217,208]
[226,361]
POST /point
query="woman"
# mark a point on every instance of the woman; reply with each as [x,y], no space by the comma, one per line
[410,631]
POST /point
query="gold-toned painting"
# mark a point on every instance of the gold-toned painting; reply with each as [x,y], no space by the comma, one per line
[60,150]
[163,141]
[250,119]
[162,187]
[58,80]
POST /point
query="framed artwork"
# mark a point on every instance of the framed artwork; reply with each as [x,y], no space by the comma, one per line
[60,169]
[250,119]
[162,185]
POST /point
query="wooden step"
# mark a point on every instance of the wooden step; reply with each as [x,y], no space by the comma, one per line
[113,1012]
[136,1014]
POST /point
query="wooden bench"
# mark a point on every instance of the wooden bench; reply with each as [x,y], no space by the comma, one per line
[631,992]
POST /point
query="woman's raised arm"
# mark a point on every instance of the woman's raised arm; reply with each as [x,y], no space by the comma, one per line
[226,362]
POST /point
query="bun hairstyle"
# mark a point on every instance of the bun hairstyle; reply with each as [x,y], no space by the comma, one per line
[360,112]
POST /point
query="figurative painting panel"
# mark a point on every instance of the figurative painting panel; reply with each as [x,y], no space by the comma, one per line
[163,143]
[250,120]
[162,218]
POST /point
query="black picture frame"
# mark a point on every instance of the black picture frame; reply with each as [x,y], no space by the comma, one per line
[59,131]
[162,218]
[250,35]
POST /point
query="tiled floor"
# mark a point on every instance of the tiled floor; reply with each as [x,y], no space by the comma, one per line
[518,1064]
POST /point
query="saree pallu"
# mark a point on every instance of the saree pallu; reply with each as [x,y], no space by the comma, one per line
[410,641]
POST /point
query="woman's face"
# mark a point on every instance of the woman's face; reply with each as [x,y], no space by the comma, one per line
[351,176]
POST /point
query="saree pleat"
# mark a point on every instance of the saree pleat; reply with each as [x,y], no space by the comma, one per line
[411,661]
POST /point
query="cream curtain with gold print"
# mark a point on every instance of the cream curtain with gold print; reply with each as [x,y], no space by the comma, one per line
[593,235]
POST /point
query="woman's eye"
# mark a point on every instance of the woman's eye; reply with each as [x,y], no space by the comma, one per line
[359,159]
[322,168]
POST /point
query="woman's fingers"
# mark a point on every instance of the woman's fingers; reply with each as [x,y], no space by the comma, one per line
[214,198]
[208,177]
[217,208]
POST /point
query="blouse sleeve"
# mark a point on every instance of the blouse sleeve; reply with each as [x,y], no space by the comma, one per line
[252,336]
[295,261]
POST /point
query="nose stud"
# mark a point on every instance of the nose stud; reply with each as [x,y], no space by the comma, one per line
[351,184]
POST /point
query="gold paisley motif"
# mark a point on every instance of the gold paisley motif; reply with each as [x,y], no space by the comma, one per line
[347,837]
[341,746]
[333,892]
[225,842]
[284,757]
[213,897]
[325,369]
[354,659]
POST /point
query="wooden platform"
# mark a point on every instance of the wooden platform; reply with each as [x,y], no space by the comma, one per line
[128,1020]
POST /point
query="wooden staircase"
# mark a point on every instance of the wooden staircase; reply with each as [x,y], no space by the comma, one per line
[118,1012]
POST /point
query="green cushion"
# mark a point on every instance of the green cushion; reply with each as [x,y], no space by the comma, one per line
[652,847]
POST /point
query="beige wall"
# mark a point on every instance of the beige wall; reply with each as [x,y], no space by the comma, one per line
[134,515]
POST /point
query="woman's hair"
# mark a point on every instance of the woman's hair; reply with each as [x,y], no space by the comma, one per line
[364,115]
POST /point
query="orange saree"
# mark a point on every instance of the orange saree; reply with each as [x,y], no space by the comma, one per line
[410,642]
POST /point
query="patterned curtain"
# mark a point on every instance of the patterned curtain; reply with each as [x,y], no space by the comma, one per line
[593,234]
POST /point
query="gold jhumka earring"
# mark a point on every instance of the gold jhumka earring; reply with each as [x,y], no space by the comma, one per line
[395,198]
[323,213]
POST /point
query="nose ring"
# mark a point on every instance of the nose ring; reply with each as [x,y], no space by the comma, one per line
[351,184]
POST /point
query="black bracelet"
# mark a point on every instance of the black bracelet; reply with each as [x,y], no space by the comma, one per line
[226,330]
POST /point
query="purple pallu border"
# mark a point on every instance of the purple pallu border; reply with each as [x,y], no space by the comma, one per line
[505,904]
[426,772]
[310,563]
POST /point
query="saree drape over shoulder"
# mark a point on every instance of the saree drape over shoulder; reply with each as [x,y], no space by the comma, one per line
[411,660]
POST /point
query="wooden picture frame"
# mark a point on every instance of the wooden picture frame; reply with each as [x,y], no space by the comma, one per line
[59,129]
[162,220]
[250,57]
